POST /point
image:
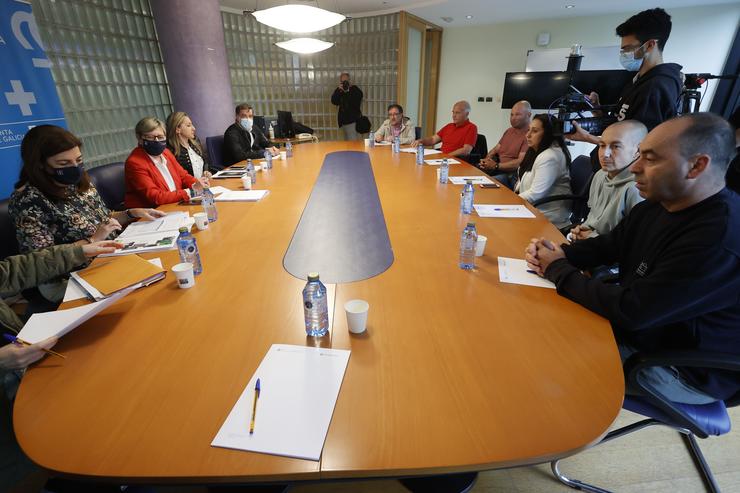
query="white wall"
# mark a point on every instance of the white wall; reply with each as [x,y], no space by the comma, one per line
[476,59]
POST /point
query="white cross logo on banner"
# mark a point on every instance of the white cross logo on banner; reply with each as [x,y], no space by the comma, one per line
[20,97]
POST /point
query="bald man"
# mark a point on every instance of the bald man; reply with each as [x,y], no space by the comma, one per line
[679,257]
[613,191]
[458,138]
[506,156]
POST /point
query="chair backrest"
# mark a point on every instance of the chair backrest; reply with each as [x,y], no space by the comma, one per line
[581,174]
[8,245]
[481,147]
[417,133]
[215,148]
[110,181]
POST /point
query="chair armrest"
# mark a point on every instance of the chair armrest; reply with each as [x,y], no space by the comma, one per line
[555,198]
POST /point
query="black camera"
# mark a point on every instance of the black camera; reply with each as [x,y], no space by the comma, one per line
[345,84]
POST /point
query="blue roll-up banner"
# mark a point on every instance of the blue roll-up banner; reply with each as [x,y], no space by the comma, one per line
[28,96]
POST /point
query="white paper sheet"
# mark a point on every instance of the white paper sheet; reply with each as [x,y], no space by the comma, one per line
[427,152]
[502,210]
[242,196]
[437,162]
[218,190]
[44,325]
[78,288]
[299,388]
[147,243]
[383,143]
[460,180]
[514,271]
[173,221]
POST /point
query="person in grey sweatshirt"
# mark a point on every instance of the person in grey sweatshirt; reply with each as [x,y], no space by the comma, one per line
[613,192]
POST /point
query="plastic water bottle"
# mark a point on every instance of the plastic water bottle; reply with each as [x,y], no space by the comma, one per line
[268,159]
[188,249]
[315,310]
[272,131]
[396,144]
[467,247]
[251,171]
[209,205]
[371,142]
[420,154]
[466,198]
[288,149]
[444,171]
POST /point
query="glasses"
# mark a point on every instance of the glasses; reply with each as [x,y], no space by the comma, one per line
[393,114]
[158,138]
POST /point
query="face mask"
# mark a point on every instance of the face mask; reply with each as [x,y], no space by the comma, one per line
[246,124]
[70,175]
[154,147]
[628,60]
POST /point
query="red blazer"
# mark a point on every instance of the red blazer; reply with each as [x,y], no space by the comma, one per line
[145,186]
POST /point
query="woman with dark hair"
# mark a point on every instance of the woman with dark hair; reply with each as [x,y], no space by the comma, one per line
[544,171]
[54,202]
[185,146]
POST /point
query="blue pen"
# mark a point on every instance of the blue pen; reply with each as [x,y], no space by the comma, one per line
[21,342]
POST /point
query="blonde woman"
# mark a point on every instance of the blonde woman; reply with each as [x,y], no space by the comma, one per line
[185,146]
[153,175]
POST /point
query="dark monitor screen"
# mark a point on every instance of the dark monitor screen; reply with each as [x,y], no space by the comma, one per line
[259,122]
[541,89]
[284,125]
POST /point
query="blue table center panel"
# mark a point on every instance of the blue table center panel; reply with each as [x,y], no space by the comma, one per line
[342,233]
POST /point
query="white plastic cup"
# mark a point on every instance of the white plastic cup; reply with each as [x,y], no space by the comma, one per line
[184,274]
[283,155]
[356,311]
[367,142]
[480,245]
[201,220]
[247,182]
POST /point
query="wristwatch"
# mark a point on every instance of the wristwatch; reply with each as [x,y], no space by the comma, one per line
[495,168]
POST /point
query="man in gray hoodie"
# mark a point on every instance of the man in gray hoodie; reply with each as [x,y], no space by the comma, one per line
[613,192]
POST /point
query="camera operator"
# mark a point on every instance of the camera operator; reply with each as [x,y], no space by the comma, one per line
[653,95]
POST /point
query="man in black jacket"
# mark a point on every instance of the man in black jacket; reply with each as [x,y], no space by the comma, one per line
[679,256]
[653,95]
[349,99]
[242,140]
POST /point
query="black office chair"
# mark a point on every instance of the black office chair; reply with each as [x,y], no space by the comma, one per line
[110,181]
[417,133]
[479,151]
[581,175]
[9,245]
[215,149]
[689,420]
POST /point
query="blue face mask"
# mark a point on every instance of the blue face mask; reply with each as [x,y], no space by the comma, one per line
[246,124]
[154,147]
[628,60]
[69,175]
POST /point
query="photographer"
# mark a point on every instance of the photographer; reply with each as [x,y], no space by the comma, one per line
[653,95]
[349,99]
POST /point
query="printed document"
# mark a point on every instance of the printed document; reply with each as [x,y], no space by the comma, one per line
[514,271]
[502,210]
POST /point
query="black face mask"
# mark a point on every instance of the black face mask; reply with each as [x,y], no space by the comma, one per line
[154,147]
[69,175]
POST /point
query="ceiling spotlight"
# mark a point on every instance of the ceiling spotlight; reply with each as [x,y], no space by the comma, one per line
[468,17]
[304,46]
[298,18]
[570,6]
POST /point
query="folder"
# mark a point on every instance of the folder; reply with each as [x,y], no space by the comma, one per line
[112,274]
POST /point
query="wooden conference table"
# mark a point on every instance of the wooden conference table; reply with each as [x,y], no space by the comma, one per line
[457,371]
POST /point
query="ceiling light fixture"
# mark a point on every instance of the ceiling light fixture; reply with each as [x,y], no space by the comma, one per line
[468,17]
[304,46]
[298,18]
[570,6]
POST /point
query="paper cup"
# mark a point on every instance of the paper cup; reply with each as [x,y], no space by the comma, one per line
[480,245]
[283,155]
[367,142]
[247,182]
[356,311]
[201,220]
[184,274]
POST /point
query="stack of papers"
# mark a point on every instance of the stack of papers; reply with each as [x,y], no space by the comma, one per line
[44,325]
[299,387]
[230,173]
[514,271]
[107,276]
[427,152]
[242,196]
[477,179]
[76,292]
[502,210]
[437,162]
[218,190]
[152,236]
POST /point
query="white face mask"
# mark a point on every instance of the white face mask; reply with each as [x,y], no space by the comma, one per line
[246,124]
[628,60]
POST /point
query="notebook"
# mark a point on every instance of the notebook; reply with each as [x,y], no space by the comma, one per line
[112,274]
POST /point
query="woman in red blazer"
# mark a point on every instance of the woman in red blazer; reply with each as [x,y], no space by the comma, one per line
[153,175]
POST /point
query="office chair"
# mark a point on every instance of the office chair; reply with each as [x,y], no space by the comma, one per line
[110,181]
[581,175]
[479,151]
[417,133]
[9,245]
[215,149]
[689,420]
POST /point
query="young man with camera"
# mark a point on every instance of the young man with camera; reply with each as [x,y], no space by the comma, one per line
[653,96]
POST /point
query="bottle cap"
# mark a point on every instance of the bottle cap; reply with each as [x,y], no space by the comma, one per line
[183,229]
[468,182]
[471,225]
[313,276]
